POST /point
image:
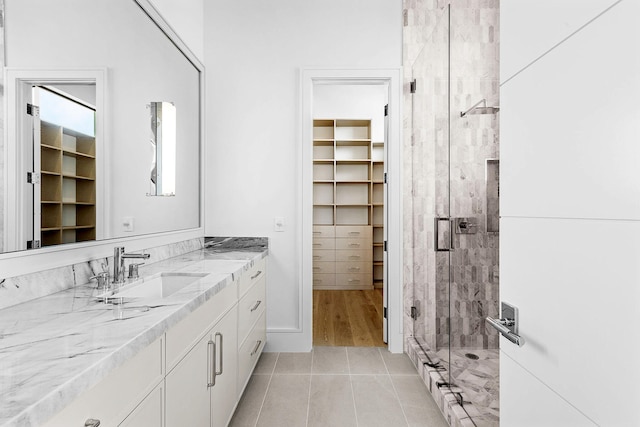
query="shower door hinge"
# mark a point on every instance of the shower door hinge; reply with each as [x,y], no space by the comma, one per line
[33,110]
[386,110]
[384,312]
[33,178]
[414,312]
[384,178]
[384,246]
[412,86]
[33,244]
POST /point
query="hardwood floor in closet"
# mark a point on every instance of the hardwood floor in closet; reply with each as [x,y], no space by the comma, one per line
[347,318]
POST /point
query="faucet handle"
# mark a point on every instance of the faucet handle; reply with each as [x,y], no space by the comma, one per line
[133,270]
[103,280]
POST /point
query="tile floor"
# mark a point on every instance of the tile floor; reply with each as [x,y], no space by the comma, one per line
[337,387]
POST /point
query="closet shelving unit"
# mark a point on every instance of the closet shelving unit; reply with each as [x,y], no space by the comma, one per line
[348,196]
[68,185]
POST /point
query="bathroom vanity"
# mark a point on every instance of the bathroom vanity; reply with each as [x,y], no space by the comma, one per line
[183,359]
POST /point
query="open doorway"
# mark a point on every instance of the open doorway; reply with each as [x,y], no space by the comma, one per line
[349,213]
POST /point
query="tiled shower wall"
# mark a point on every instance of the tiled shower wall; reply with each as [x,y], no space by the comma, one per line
[473,74]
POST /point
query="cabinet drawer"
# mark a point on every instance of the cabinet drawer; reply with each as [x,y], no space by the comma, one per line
[324,280]
[355,267]
[357,232]
[351,255]
[350,243]
[324,243]
[324,267]
[324,231]
[113,398]
[250,351]
[252,275]
[187,332]
[324,255]
[250,308]
[356,281]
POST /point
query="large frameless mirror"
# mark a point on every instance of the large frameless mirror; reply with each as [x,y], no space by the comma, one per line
[121,77]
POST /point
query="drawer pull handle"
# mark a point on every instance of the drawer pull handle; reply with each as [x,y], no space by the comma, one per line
[91,422]
[354,281]
[317,244]
[317,232]
[354,245]
[256,275]
[255,307]
[218,334]
[317,257]
[354,233]
[211,368]
[354,268]
[316,268]
[317,281]
[354,257]
[255,350]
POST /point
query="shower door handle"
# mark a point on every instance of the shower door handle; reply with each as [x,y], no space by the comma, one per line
[436,232]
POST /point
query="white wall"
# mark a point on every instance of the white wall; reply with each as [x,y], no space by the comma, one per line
[570,205]
[187,20]
[352,102]
[254,52]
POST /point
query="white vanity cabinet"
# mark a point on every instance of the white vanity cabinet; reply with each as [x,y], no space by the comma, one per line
[133,388]
[251,321]
[201,389]
[193,375]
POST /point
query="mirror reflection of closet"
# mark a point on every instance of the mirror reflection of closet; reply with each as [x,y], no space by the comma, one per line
[63,167]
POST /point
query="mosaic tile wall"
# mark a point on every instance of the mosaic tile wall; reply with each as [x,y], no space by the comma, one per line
[474,139]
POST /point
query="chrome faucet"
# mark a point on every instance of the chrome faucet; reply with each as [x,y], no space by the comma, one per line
[118,263]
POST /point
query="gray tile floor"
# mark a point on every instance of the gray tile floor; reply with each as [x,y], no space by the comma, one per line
[337,387]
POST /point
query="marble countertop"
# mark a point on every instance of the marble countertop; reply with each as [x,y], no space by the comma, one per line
[55,347]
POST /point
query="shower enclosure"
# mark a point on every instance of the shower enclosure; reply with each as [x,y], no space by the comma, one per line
[454,204]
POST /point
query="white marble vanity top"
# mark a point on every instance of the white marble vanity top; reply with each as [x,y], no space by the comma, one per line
[55,347]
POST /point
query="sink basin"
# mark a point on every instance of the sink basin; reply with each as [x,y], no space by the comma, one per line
[159,285]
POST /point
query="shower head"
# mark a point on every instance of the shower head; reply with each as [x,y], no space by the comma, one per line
[477,109]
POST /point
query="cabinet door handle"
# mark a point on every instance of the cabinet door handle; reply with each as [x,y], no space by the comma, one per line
[255,307]
[255,350]
[256,275]
[221,347]
[211,366]
[91,422]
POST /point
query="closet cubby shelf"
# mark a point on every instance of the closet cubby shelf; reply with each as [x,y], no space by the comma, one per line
[347,201]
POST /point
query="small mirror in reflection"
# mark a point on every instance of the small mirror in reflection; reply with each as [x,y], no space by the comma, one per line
[163,148]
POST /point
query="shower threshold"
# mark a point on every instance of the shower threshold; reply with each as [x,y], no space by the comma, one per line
[473,399]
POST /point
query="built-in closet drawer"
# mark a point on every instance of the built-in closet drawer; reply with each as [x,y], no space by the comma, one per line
[324,243]
[251,307]
[354,255]
[352,243]
[252,275]
[355,281]
[353,267]
[322,231]
[322,280]
[321,255]
[322,267]
[353,231]
[250,351]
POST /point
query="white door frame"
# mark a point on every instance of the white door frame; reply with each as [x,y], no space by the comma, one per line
[15,178]
[393,77]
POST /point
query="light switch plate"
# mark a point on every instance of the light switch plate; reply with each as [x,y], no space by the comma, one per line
[127,223]
[278,223]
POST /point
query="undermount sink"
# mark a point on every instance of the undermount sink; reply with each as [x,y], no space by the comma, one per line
[158,286]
